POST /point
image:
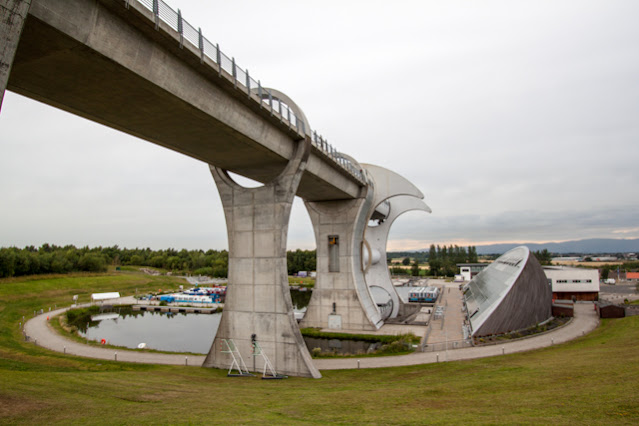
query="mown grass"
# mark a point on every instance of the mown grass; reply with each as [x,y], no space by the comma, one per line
[592,380]
[301,281]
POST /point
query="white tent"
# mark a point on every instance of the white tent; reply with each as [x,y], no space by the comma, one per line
[95,297]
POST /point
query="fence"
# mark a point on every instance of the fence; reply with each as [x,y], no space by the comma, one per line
[241,77]
[449,345]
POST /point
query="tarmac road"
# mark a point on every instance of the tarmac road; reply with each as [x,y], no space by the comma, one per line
[585,320]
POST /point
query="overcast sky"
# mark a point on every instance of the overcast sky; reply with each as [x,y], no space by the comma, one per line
[518,120]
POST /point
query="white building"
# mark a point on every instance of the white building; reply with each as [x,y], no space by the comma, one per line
[469,270]
[566,282]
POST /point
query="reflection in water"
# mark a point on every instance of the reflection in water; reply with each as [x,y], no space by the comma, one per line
[180,332]
[300,299]
[161,331]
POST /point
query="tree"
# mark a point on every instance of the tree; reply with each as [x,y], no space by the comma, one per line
[7,262]
[396,270]
[92,263]
[434,261]
[406,261]
[472,254]
[544,257]
[414,270]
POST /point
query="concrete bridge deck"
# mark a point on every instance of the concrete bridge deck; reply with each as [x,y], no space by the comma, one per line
[585,321]
[112,64]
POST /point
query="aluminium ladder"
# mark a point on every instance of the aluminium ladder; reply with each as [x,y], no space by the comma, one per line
[240,366]
[257,351]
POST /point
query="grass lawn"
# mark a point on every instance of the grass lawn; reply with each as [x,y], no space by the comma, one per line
[593,380]
[301,281]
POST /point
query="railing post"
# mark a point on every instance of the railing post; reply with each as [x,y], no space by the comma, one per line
[200,43]
[270,100]
[288,115]
[156,13]
[259,92]
[248,84]
[218,57]
[234,71]
[181,29]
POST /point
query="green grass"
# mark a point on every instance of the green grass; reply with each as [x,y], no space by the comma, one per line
[592,380]
[383,338]
[301,281]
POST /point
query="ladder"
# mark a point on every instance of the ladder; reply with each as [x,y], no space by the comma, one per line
[257,351]
[240,366]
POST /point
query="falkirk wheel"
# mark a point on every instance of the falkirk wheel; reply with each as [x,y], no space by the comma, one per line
[353,289]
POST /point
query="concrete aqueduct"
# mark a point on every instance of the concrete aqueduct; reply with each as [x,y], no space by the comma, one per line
[139,67]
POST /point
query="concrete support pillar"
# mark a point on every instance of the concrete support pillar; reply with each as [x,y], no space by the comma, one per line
[258,299]
[13,14]
[341,299]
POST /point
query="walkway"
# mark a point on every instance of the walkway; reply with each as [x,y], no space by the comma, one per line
[448,328]
[44,335]
[585,321]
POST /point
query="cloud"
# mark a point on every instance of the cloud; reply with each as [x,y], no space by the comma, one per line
[516,119]
[513,226]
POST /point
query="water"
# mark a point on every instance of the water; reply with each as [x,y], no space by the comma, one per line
[192,333]
[161,331]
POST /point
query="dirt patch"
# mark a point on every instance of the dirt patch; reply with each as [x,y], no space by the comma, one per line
[12,407]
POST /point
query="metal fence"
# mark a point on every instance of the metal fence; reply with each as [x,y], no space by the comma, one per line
[449,345]
[241,77]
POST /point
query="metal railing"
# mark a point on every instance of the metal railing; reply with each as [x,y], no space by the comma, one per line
[241,77]
[449,345]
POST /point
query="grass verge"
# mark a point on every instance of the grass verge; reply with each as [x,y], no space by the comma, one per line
[592,380]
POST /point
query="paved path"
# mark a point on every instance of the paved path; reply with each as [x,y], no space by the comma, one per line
[44,335]
[585,321]
[448,328]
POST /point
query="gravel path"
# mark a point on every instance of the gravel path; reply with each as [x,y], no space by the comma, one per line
[585,321]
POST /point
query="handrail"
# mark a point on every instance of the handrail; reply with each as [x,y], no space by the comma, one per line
[241,77]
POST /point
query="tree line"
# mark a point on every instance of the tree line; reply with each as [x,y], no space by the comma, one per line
[301,260]
[52,259]
[443,260]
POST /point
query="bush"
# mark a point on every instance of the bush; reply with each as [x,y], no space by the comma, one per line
[92,263]
[81,316]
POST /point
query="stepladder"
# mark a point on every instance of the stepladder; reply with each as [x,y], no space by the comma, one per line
[238,362]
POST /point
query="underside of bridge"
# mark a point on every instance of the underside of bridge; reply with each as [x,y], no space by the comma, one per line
[124,68]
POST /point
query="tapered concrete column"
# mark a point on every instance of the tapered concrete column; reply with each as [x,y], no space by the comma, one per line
[258,299]
[13,13]
[341,299]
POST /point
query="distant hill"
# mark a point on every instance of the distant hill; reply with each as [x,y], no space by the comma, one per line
[593,245]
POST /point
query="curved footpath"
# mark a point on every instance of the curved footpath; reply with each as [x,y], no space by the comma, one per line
[585,321]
